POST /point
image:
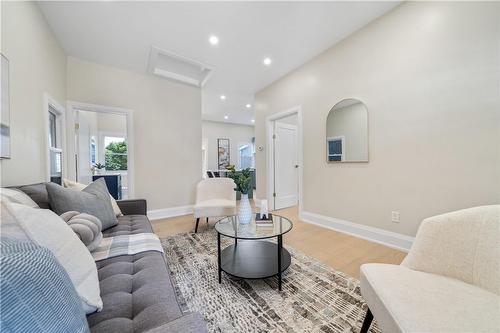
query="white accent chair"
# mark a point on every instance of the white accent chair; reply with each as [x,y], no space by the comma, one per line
[449,282]
[214,197]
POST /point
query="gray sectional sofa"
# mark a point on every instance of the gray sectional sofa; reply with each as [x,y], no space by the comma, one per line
[136,290]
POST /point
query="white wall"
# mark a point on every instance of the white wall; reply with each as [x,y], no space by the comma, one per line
[114,123]
[351,122]
[211,131]
[37,66]
[167,127]
[428,73]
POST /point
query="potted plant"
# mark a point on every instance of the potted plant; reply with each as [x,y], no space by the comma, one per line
[98,167]
[243,181]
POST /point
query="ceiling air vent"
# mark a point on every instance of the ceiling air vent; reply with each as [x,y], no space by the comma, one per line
[175,67]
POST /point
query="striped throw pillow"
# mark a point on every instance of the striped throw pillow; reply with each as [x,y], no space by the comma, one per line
[37,293]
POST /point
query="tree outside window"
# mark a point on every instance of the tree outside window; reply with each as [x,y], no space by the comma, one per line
[115,154]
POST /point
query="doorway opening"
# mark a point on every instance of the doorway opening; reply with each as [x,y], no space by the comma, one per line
[103,148]
[284,159]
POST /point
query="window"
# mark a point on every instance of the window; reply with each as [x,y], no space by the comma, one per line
[52,128]
[55,147]
[335,148]
[93,151]
[246,155]
[115,153]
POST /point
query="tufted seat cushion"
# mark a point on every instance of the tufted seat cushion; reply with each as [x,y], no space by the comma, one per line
[137,294]
[129,224]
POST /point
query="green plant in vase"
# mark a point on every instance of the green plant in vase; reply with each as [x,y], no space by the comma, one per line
[243,181]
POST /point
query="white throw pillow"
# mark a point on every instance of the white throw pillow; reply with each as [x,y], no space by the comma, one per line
[79,186]
[17,196]
[45,228]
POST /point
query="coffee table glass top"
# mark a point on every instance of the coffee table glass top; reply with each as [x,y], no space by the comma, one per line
[231,227]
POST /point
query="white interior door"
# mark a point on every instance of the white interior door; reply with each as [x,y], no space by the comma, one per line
[285,165]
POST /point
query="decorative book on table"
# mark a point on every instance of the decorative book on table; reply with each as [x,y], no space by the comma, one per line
[265,220]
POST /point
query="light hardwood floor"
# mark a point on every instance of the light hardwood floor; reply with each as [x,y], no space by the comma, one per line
[340,251]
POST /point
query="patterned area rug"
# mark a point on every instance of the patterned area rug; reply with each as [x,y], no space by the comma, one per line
[315,297]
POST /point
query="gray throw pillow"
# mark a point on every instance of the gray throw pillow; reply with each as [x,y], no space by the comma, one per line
[93,200]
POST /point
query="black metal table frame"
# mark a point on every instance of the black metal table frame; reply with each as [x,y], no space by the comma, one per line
[280,251]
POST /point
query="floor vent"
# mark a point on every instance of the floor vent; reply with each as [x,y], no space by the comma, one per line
[175,67]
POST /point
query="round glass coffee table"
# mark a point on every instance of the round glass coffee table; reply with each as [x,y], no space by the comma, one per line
[254,257]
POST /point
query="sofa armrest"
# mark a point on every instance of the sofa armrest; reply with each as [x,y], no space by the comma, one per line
[189,323]
[133,207]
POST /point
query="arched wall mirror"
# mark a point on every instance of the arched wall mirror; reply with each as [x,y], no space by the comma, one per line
[347,132]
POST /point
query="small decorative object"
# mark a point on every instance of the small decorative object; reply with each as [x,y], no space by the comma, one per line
[264,222]
[4,109]
[223,160]
[243,181]
[98,168]
[263,209]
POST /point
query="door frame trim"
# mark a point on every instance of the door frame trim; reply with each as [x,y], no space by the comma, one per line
[270,152]
[72,107]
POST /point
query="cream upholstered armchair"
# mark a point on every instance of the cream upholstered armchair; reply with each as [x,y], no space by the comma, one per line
[214,197]
[449,282]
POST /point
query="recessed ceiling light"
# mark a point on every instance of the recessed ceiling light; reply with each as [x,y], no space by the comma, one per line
[223,97]
[225,117]
[253,120]
[267,61]
[214,40]
[248,106]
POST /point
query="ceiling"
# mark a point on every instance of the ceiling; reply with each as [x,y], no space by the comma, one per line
[121,34]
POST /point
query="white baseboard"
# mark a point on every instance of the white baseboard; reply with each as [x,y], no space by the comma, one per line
[157,214]
[376,235]
[384,237]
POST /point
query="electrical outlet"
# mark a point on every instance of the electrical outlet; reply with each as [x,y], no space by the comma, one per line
[395,217]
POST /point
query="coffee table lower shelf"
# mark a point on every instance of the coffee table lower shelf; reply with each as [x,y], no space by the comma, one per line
[253,259]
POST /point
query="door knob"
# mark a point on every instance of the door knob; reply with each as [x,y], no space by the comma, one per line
[296,166]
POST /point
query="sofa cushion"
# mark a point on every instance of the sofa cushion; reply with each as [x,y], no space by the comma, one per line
[405,300]
[128,225]
[38,193]
[137,294]
[37,294]
[17,196]
[79,186]
[93,200]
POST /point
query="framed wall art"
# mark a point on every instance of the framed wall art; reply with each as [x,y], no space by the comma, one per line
[223,157]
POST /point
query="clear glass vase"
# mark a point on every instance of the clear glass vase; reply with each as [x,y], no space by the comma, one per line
[244,210]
